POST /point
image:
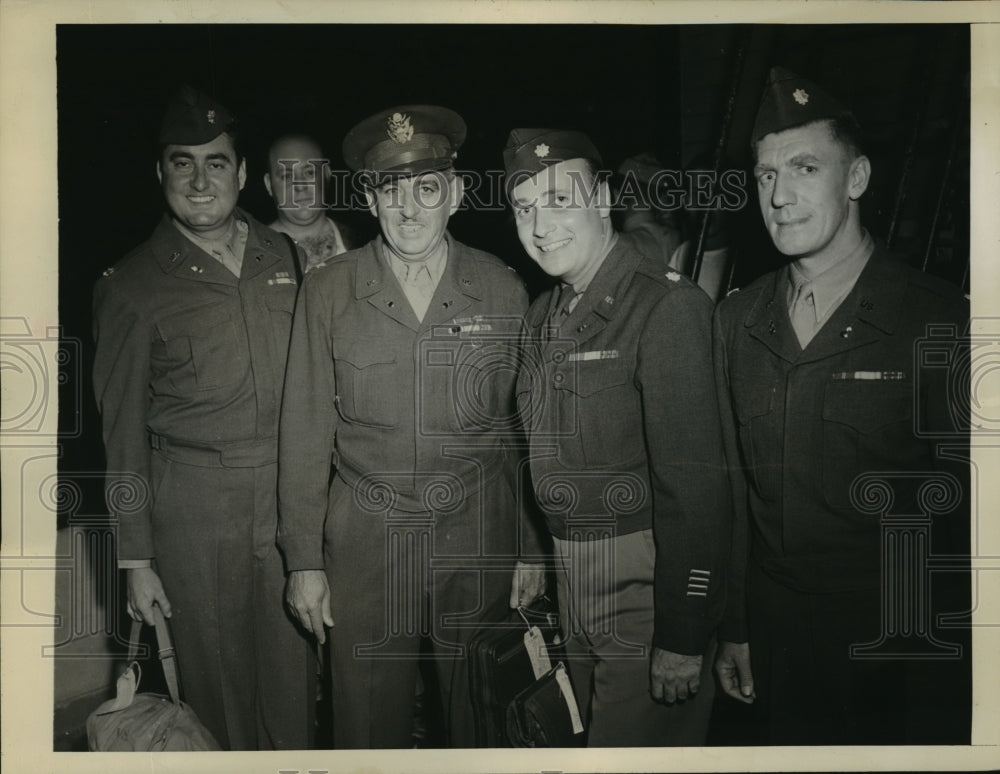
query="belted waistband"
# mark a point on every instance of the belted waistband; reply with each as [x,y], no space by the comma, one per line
[237,454]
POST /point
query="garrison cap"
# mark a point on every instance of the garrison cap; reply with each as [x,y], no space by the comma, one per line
[529,151]
[789,100]
[194,118]
[405,140]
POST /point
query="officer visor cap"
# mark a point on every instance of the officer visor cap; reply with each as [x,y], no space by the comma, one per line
[405,140]
[194,118]
[789,100]
[529,151]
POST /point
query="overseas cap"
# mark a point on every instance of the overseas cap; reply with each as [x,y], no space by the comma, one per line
[790,100]
[408,140]
[529,151]
[194,118]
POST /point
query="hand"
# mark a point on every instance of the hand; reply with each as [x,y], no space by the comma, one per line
[732,665]
[307,595]
[144,589]
[673,676]
[528,583]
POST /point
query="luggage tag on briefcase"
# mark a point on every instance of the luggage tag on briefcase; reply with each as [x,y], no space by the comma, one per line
[534,645]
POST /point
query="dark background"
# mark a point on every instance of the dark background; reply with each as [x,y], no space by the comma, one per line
[687,94]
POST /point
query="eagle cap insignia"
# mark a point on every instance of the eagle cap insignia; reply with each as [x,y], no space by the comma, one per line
[399,128]
[210,116]
[801,96]
[541,150]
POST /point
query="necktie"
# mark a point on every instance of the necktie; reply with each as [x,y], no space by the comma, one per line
[418,288]
[802,313]
[563,307]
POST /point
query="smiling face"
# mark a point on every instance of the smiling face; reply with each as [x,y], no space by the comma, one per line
[413,212]
[202,183]
[808,183]
[296,176]
[563,219]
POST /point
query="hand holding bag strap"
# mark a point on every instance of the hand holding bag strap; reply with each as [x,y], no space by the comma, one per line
[166,652]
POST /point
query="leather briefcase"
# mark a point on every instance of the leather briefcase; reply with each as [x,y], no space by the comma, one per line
[147,722]
[500,667]
[545,713]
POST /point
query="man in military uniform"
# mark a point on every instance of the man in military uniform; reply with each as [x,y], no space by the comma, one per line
[616,396]
[401,374]
[192,331]
[296,179]
[823,401]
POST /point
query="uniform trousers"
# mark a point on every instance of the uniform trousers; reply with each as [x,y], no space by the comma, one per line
[397,578]
[605,591]
[810,690]
[245,669]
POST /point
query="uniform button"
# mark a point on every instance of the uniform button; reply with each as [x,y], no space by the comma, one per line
[559,356]
[455,329]
[390,304]
[558,378]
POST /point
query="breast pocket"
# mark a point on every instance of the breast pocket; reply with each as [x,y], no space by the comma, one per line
[367,376]
[603,404]
[760,440]
[280,306]
[867,428]
[202,350]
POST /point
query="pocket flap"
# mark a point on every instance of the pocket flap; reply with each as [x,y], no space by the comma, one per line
[868,406]
[192,322]
[362,353]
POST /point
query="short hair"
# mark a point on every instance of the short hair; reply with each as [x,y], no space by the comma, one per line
[847,131]
[844,128]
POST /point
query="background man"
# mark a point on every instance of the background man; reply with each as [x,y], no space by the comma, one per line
[296,179]
[192,330]
[819,384]
[401,372]
[626,451]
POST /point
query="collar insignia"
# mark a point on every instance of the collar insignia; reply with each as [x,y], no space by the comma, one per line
[801,96]
[541,150]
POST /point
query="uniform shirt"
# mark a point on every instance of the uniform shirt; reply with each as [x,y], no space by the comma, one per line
[624,435]
[418,290]
[227,249]
[830,287]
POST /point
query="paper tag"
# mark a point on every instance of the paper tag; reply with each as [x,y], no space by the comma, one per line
[126,687]
[567,691]
[534,643]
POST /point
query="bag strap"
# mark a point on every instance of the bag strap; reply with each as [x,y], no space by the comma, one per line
[168,659]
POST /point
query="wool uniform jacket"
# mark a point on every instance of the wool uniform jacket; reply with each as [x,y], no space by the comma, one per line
[623,426]
[868,395]
[415,416]
[191,354]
